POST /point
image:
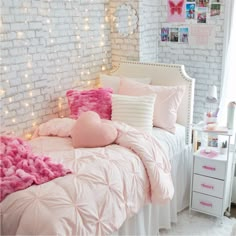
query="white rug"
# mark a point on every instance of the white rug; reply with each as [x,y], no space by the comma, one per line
[200,225]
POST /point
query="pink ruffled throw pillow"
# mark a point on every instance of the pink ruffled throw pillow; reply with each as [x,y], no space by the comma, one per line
[97,100]
[90,131]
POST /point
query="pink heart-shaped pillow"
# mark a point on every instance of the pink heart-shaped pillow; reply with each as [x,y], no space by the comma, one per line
[90,131]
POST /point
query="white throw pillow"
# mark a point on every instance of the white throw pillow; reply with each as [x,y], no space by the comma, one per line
[110,81]
[136,111]
[60,127]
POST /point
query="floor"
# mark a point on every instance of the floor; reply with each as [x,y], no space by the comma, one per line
[198,224]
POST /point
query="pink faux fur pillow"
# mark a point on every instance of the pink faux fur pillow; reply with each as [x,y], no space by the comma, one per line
[97,100]
[90,131]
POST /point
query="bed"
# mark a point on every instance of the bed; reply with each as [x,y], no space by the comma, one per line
[65,206]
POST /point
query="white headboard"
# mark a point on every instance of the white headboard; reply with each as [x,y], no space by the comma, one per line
[168,75]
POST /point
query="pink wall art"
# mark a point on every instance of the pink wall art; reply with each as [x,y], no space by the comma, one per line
[176,10]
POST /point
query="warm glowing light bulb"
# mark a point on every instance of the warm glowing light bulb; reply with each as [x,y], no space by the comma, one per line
[29,65]
[28,136]
[103,68]
[26,75]
[2,92]
[13,120]
[20,35]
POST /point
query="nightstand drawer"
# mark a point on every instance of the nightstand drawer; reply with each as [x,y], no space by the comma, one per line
[210,186]
[211,168]
[207,204]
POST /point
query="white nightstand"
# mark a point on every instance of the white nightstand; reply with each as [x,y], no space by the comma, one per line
[212,175]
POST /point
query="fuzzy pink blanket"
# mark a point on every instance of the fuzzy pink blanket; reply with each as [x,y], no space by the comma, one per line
[20,168]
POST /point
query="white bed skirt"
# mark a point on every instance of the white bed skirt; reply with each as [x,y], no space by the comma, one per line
[154,217]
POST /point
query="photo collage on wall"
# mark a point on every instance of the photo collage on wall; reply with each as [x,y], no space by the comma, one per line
[181,10]
[174,34]
[185,10]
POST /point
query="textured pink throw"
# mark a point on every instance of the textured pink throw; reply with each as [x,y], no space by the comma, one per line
[20,168]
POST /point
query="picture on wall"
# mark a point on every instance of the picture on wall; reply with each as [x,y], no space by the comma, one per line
[191,0]
[190,10]
[202,3]
[215,9]
[174,34]
[183,35]
[176,11]
[164,34]
[201,14]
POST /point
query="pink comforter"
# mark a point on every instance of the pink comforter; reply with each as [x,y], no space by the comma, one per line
[107,186]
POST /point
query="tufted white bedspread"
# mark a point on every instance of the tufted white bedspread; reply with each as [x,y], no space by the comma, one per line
[108,185]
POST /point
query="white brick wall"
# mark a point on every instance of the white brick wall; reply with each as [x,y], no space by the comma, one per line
[124,48]
[148,30]
[45,50]
[50,46]
[203,63]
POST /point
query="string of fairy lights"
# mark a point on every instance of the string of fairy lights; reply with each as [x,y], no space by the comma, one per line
[28,94]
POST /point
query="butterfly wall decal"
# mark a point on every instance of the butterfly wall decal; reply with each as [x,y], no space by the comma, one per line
[176,8]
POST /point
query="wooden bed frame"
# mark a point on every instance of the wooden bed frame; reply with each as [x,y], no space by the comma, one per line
[164,75]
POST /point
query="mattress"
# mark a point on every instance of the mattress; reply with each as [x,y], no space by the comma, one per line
[172,143]
[40,200]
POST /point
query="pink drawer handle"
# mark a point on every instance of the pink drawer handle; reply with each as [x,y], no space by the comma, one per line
[206,204]
[207,186]
[209,168]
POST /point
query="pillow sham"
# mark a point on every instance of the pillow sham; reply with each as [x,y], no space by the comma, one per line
[60,127]
[110,81]
[168,99]
[136,111]
[97,100]
[90,131]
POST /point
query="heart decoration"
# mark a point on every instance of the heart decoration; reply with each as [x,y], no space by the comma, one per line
[91,131]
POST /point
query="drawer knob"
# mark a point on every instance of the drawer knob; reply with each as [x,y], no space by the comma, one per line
[207,186]
[206,204]
[209,168]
